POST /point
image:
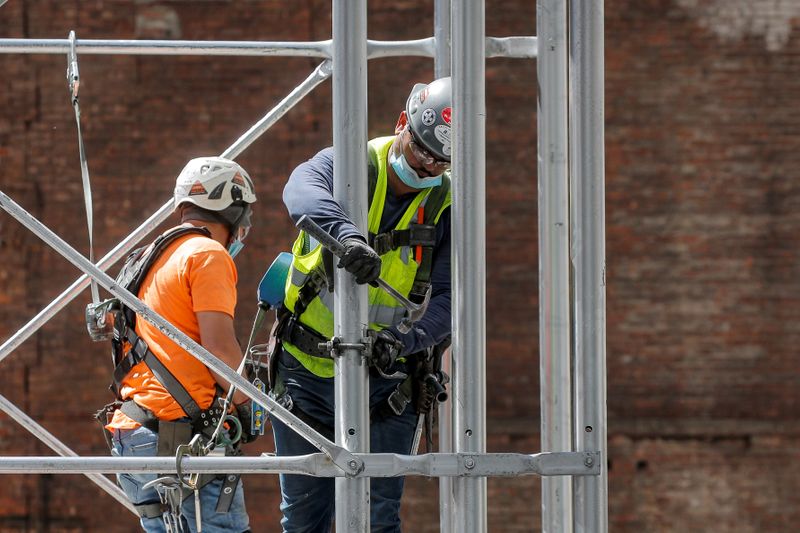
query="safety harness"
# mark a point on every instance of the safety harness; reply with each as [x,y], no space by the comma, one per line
[421,237]
[171,434]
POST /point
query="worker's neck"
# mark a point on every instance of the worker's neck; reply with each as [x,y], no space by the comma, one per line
[219,231]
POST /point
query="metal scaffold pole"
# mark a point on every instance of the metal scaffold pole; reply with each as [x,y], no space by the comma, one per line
[554,309]
[469,254]
[587,164]
[441,34]
[350,299]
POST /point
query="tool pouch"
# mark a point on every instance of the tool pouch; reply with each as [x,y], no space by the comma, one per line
[171,435]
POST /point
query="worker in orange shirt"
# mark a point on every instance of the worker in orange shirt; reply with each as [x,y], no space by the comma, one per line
[166,396]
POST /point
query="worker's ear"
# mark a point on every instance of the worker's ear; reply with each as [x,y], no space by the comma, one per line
[401,123]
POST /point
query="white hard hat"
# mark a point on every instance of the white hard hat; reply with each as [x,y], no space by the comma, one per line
[213,183]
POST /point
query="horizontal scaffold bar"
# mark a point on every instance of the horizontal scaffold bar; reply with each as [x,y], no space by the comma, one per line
[318,464]
[520,47]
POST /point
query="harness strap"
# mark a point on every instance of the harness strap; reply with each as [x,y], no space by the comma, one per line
[140,352]
[139,414]
[311,288]
[395,403]
[74,82]
[151,510]
[227,492]
[414,235]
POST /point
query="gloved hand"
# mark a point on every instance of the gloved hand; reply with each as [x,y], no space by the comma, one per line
[385,349]
[361,261]
[243,411]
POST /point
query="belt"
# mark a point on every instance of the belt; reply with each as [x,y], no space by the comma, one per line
[305,338]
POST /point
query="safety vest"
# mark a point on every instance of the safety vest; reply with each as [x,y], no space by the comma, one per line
[400,266]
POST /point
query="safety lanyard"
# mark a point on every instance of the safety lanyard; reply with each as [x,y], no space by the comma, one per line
[74,82]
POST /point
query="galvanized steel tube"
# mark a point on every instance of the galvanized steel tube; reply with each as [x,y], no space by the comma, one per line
[587,162]
[60,448]
[469,253]
[441,67]
[166,48]
[317,464]
[350,299]
[554,311]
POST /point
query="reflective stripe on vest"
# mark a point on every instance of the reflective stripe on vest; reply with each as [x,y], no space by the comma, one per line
[398,269]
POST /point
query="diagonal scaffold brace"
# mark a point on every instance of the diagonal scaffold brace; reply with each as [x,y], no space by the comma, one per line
[346,461]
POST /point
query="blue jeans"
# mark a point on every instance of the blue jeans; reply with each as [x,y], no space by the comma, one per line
[142,442]
[308,502]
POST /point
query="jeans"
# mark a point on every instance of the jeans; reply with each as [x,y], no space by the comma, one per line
[141,442]
[308,502]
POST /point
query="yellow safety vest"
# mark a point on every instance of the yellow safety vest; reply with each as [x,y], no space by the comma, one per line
[399,267]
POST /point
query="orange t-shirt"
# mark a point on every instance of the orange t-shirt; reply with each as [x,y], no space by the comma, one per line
[195,273]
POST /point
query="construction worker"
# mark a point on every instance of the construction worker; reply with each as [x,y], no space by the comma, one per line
[166,393]
[409,247]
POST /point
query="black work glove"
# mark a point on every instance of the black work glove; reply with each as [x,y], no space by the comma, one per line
[361,261]
[385,349]
[243,412]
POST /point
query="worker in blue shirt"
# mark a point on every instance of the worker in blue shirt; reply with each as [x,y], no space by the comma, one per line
[409,247]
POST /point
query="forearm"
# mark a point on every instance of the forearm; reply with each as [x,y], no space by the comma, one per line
[309,191]
[229,352]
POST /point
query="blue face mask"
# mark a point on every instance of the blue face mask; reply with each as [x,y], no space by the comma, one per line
[235,247]
[408,175]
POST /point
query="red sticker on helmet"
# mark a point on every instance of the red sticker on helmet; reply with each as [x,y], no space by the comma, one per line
[423,94]
[446,114]
[197,188]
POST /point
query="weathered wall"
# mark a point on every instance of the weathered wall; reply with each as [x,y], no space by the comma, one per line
[702,208]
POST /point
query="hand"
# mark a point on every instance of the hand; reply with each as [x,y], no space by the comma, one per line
[361,261]
[385,349]
[243,412]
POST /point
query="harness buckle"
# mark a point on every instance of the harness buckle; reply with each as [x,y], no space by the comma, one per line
[398,400]
[383,243]
[139,349]
[421,235]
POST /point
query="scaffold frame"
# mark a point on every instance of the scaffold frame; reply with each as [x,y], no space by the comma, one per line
[569,52]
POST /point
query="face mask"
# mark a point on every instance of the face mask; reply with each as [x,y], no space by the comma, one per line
[235,247]
[409,176]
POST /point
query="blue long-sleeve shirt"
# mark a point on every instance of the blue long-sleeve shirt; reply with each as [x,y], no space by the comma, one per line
[309,191]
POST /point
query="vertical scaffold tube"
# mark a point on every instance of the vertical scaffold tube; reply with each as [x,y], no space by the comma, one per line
[469,254]
[554,320]
[587,161]
[441,33]
[350,300]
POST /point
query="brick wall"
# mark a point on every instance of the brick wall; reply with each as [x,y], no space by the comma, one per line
[702,212]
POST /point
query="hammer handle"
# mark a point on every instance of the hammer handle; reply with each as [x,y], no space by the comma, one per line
[327,240]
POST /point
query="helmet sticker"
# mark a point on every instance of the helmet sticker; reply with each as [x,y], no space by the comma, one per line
[423,94]
[446,114]
[442,134]
[197,188]
[428,117]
